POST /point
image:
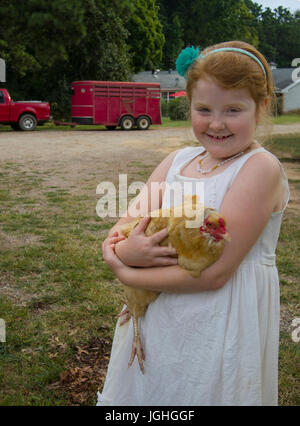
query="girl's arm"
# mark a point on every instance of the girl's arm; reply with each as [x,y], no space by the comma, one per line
[168,279]
[139,250]
[247,207]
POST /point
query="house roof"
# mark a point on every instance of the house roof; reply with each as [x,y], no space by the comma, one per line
[173,82]
[169,80]
[282,78]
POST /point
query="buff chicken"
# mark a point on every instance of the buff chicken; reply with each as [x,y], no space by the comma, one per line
[196,247]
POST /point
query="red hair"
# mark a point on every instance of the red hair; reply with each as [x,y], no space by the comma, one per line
[235,70]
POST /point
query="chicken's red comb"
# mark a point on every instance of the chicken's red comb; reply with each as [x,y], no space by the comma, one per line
[221,221]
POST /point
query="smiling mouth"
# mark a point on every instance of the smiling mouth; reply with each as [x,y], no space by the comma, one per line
[218,137]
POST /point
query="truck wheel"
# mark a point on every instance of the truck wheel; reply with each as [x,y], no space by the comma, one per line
[27,122]
[127,123]
[143,122]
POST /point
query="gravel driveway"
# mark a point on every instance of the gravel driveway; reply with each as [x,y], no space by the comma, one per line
[77,154]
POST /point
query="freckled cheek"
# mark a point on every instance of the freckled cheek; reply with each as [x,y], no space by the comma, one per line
[243,130]
[199,124]
[245,125]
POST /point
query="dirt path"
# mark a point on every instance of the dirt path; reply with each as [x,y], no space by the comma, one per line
[64,147]
[76,156]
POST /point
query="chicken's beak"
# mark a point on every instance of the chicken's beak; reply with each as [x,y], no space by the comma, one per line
[226,237]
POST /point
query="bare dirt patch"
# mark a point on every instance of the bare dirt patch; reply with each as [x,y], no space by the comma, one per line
[8,241]
[86,372]
[72,157]
[79,160]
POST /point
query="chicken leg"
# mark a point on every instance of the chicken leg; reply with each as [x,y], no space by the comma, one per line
[137,348]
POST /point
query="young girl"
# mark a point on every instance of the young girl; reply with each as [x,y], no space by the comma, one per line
[211,340]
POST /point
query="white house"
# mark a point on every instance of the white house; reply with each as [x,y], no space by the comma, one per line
[170,81]
[287,88]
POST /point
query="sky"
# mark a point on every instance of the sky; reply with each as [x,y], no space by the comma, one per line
[293,5]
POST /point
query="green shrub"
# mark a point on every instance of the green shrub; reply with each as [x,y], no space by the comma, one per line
[164,108]
[178,109]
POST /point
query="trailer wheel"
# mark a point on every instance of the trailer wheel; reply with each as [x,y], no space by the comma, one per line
[143,122]
[27,122]
[127,122]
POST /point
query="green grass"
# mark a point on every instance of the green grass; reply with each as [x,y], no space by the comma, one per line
[281,119]
[287,119]
[285,146]
[57,293]
[50,126]
[166,122]
[51,260]
[288,254]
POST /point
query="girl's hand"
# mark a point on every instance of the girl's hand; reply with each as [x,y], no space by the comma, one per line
[140,250]
[109,255]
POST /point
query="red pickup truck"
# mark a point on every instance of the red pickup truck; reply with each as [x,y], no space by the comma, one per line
[22,115]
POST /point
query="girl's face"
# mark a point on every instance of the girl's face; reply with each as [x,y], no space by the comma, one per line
[223,121]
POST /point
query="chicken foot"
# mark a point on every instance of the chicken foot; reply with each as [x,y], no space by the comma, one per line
[137,348]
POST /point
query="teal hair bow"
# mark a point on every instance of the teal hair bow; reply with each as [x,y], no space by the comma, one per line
[185,59]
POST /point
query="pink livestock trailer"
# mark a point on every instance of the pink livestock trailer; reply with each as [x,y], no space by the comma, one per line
[115,103]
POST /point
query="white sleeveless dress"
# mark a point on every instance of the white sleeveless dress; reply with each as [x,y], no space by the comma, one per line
[212,347]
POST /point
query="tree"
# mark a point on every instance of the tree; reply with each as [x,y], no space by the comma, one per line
[276,30]
[103,53]
[287,34]
[173,33]
[255,9]
[36,36]
[206,22]
[47,45]
[12,47]
[146,38]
